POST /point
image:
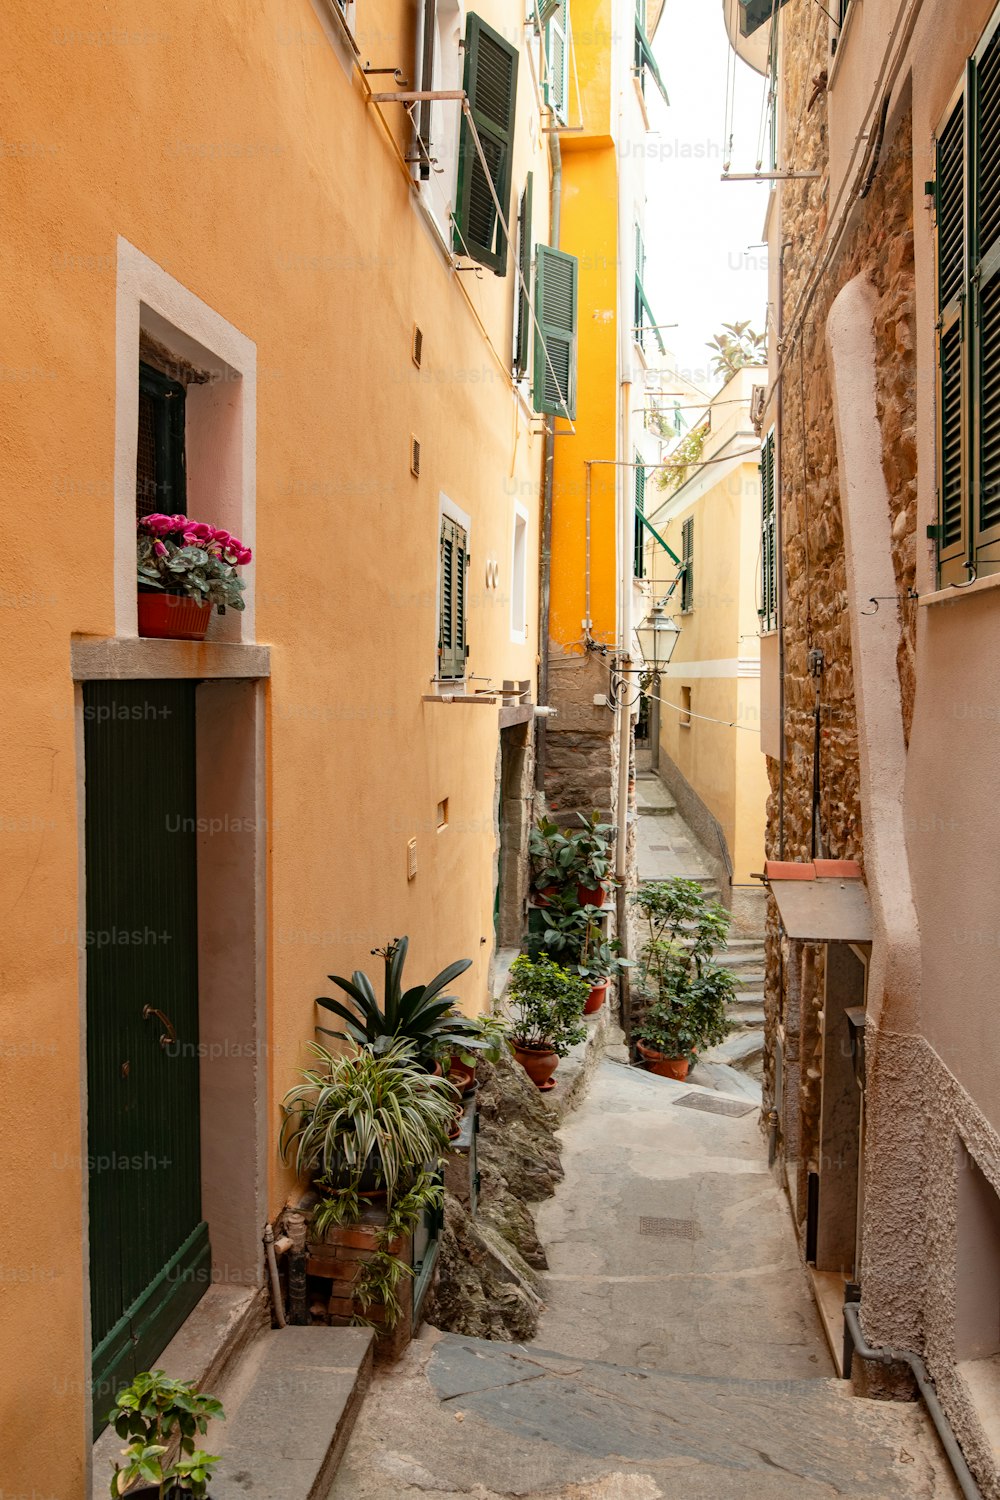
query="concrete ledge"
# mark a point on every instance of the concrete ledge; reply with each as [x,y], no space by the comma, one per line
[104,658]
[574,1071]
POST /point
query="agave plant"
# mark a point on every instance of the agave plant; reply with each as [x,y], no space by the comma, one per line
[422,1015]
[380,1114]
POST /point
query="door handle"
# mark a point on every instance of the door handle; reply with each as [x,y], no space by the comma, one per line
[169,1035]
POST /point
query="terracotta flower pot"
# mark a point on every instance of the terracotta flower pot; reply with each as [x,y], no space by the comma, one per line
[544,897]
[172,617]
[596,998]
[658,1062]
[461,1075]
[539,1063]
[588,897]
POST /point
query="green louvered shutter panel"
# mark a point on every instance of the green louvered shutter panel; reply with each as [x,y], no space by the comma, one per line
[951,211]
[687,555]
[768,552]
[452,634]
[524,247]
[491,84]
[985,261]
[554,384]
[639,546]
[556,91]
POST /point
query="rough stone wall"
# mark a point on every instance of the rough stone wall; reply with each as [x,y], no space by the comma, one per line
[581,747]
[879,244]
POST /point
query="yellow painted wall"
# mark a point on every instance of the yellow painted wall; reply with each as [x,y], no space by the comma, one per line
[231,145]
[589,231]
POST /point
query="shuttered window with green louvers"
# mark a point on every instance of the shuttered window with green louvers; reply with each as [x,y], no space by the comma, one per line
[556,49]
[768,541]
[967,219]
[687,560]
[522,328]
[452,624]
[639,544]
[491,85]
[556,291]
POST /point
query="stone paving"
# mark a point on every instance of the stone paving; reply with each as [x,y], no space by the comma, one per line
[679,1358]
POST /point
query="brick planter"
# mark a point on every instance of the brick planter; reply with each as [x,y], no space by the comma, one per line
[333,1266]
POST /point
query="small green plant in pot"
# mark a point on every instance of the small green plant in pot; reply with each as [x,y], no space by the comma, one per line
[421,1014]
[545,1006]
[688,993]
[600,962]
[595,854]
[366,1124]
[160,1419]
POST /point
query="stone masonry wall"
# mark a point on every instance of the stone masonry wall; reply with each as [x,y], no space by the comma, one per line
[879,243]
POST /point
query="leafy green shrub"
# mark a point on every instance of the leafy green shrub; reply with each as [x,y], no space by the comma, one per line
[688,991]
[546,1003]
[156,1414]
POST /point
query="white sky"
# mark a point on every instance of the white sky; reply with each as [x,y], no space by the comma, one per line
[700,272]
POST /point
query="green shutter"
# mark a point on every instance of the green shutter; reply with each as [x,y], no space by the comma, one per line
[639,547]
[687,555]
[645,62]
[985,263]
[556,91]
[522,339]
[452,631]
[768,539]
[554,385]
[491,84]
[952,378]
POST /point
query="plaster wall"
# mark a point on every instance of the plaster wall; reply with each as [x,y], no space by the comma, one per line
[236,149]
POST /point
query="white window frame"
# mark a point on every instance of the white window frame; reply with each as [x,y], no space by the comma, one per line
[437,192]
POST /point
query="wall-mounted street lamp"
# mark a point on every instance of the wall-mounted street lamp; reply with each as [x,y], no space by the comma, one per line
[657,637]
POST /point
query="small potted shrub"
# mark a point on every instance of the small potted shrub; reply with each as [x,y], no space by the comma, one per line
[689,992]
[159,1418]
[599,963]
[553,859]
[365,1124]
[183,568]
[593,859]
[545,1005]
[421,1015]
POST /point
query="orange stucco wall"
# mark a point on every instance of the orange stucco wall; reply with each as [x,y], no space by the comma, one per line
[234,147]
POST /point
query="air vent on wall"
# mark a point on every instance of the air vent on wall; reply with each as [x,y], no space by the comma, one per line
[418,345]
[415,457]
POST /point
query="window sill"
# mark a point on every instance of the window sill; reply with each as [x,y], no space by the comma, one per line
[458,696]
[102,658]
[956,592]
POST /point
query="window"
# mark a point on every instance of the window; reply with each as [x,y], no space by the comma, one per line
[555,90]
[685,718]
[490,81]
[452,643]
[519,577]
[687,564]
[639,545]
[435,150]
[768,611]
[967,213]
[522,320]
[160,483]
[642,319]
[554,384]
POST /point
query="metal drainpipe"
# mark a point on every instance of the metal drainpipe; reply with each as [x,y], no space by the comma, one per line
[545,560]
[887,1356]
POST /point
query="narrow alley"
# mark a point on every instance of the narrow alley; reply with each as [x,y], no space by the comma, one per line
[679,1354]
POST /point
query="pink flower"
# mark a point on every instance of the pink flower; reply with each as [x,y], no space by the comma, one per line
[159,549]
[204,531]
[243,556]
[221,536]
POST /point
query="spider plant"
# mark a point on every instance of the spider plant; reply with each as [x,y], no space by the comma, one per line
[380,1114]
[421,1014]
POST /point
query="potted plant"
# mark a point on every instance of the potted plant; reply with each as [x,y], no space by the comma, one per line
[158,1417]
[183,568]
[553,859]
[365,1124]
[599,962]
[545,1004]
[421,1015]
[559,928]
[459,1063]
[593,846]
[689,992]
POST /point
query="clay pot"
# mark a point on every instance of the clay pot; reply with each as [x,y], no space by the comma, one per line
[596,998]
[172,617]
[462,1076]
[658,1062]
[544,897]
[539,1063]
[587,897]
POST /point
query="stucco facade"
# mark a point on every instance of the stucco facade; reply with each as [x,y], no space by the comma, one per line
[221,182]
[896,1201]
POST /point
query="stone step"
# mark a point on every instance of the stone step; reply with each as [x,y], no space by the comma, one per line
[742,958]
[739,1050]
[723,1079]
[747,1016]
[539,1423]
[289,1413]
[749,980]
[748,999]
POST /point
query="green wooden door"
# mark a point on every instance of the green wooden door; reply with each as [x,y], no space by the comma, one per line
[149,1251]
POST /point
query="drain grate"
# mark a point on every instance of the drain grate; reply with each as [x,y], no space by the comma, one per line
[680,1229]
[715,1106]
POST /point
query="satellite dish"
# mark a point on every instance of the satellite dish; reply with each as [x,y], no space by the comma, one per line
[753,49]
